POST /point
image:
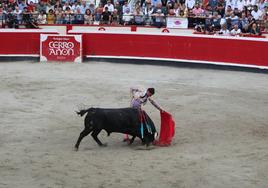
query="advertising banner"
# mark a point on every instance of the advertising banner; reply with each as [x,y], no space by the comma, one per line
[176,22]
[63,48]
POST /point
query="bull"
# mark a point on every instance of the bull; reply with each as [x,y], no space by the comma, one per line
[121,120]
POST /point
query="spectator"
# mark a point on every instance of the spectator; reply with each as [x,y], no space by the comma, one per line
[21,4]
[68,16]
[255,30]
[88,17]
[190,4]
[78,17]
[10,18]
[126,6]
[83,7]
[176,10]
[240,5]
[147,12]
[18,15]
[106,16]
[256,13]
[228,11]
[127,17]
[42,18]
[213,4]
[138,17]
[234,19]
[41,7]
[92,8]
[224,31]
[110,6]
[243,23]
[197,10]
[235,31]
[98,13]
[51,18]
[159,18]
[216,21]
[59,15]
[265,23]
[49,7]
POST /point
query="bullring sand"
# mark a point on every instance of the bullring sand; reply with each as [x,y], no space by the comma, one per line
[221,138]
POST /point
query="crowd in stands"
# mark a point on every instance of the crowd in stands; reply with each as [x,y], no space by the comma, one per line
[225,17]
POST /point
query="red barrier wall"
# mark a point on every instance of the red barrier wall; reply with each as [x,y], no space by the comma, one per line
[22,42]
[190,48]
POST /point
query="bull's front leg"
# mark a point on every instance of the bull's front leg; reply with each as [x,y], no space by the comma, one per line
[95,137]
[131,140]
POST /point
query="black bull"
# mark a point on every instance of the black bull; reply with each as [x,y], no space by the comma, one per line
[121,120]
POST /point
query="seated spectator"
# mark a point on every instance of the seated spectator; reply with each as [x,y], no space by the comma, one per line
[106,16]
[216,21]
[18,15]
[125,6]
[176,9]
[234,19]
[88,17]
[2,17]
[59,14]
[92,8]
[184,11]
[138,17]
[198,11]
[255,30]
[147,12]
[115,17]
[28,19]
[224,31]
[243,23]
[265,23]
[51,17]
[228,11]
[68,16]
[235,31]
[221,8]
[84,7]
[237,12]
[127,17]
[190,4]
[110,6]
[256,13]
[78,17]
[42,18]
[158,18]
[98,12]
[10,18]
[240,5]
[49,7]
[199,29]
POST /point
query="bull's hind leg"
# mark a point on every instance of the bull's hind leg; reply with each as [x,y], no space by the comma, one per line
[84,133]
[95,137]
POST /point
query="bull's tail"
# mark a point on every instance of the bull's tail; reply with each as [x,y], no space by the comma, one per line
[82,112]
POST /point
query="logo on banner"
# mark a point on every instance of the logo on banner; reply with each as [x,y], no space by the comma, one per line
[61,48]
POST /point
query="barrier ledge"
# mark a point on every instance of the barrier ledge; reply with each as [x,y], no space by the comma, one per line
[84,31]
[52,31]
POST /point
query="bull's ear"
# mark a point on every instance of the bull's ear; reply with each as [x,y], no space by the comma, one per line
[92,110]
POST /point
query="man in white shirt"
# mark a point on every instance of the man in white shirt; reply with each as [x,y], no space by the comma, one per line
[110,6]
[256,13]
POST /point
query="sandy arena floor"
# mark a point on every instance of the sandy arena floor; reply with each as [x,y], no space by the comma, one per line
[221,120]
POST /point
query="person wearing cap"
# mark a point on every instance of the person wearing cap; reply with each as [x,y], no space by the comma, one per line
[139,98]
